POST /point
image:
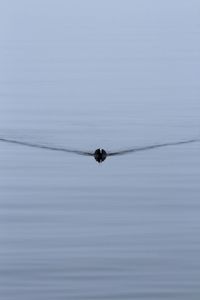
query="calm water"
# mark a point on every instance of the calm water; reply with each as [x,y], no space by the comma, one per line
[113,75]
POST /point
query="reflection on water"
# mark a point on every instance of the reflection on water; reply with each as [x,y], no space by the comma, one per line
[86,77]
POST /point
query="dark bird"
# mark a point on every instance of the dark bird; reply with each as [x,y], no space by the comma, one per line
[99,154]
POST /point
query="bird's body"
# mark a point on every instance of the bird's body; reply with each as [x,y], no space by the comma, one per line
[100,155]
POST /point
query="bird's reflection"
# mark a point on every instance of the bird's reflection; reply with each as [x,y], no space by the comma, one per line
[99,154]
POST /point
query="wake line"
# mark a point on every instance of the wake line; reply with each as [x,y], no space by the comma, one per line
[150,147]
[52,148]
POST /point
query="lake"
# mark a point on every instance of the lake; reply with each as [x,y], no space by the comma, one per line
[114,75]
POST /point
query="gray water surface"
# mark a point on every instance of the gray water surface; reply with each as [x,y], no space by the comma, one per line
[83,75]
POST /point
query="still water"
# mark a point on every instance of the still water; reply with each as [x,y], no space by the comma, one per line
[85,75]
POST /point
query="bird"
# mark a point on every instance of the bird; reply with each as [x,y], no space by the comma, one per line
[99,154]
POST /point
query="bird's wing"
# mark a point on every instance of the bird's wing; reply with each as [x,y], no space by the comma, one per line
[150,147]
[46,147]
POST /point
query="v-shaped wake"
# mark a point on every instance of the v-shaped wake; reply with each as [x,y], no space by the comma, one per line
[99,154]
